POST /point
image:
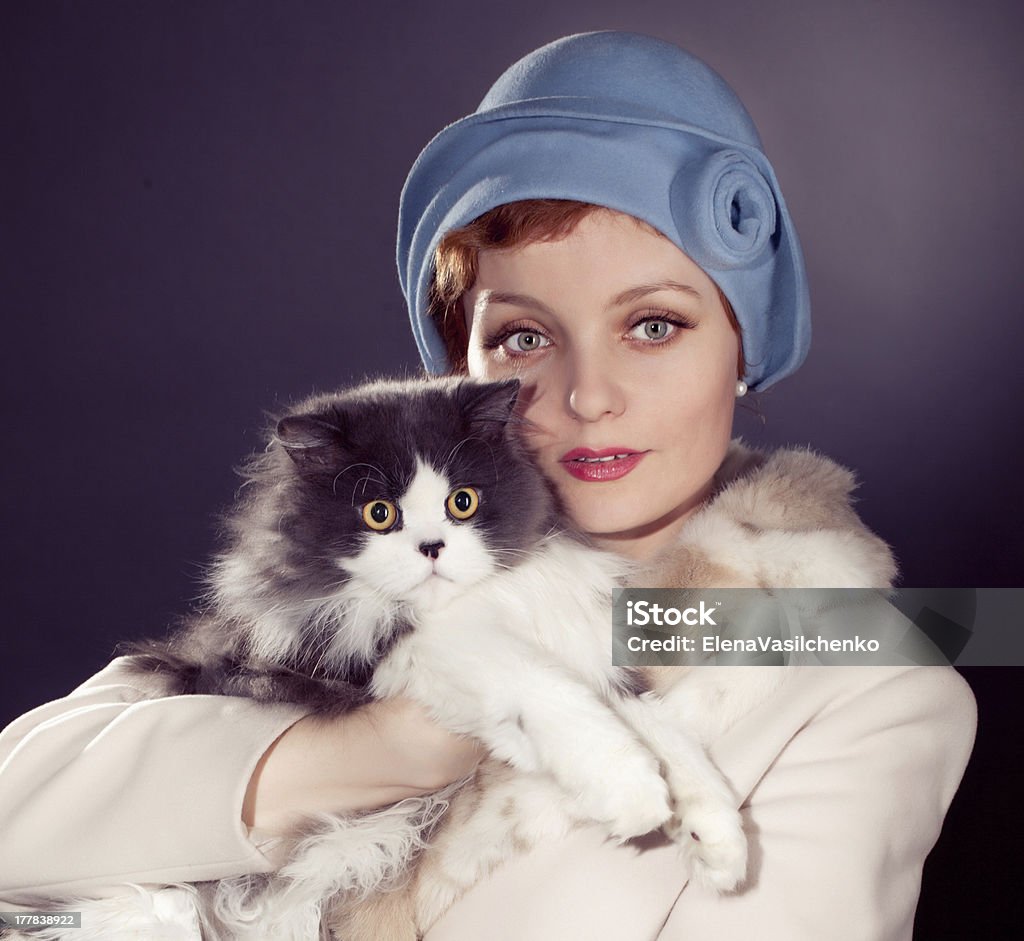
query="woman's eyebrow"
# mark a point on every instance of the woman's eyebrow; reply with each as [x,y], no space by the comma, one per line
[516,300]
[642,290]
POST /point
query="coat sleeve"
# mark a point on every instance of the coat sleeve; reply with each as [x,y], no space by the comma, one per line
[107,786]
[842,820]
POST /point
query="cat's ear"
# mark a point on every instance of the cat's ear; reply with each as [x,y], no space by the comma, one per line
[310,442]
[489,405]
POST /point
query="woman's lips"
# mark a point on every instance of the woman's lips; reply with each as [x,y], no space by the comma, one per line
[606,464]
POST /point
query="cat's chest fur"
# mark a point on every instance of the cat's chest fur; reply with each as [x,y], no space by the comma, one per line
[553,608]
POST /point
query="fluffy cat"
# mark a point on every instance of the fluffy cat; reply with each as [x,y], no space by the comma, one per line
[396,539]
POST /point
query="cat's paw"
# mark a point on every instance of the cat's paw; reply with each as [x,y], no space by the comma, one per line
[632,801]
[710,834]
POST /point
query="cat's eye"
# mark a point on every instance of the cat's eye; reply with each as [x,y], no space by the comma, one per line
[462,503]
[380,515]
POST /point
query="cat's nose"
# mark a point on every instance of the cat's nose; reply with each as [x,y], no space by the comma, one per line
[431,549]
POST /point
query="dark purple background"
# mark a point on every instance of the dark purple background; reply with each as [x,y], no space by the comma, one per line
[198,213]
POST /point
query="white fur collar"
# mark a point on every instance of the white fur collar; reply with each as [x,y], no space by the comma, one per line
[783,520]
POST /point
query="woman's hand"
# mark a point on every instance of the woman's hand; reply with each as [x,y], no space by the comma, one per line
[377,755]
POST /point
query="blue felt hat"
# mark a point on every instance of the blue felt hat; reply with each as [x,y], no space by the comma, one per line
[637,125]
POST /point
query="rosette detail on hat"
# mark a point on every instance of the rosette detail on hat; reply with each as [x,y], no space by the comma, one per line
[726,213]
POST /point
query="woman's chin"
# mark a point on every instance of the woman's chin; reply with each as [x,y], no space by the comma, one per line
[637,535]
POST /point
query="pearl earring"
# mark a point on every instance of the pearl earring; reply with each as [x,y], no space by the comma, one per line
[741,389]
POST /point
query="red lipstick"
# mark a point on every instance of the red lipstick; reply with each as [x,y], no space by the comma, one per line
[606,464]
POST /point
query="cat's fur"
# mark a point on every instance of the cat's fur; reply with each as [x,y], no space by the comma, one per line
[499,624]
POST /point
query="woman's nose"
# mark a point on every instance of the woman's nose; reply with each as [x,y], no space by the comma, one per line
[594,391]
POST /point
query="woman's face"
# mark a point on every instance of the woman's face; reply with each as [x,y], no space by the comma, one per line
[628,363]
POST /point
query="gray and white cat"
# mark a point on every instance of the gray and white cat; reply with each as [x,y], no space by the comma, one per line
[396,539]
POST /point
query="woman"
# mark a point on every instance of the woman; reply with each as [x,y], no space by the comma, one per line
[635,314]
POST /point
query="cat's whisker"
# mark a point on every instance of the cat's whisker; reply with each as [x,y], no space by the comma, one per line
[366,478]
[446,463]
[372,467]
[345,470]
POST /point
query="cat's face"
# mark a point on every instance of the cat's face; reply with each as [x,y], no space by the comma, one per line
[410,491]
[426,545]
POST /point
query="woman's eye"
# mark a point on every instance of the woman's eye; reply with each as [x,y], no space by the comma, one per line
[525,341]
[380,515]
[652,330]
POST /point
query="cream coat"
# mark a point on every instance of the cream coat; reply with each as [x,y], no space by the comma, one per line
[844,774]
